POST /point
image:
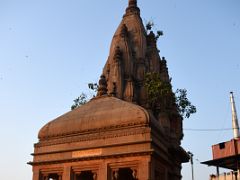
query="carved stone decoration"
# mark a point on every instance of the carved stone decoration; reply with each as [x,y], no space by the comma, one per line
[94,176]
[124,31]
[164,70]
[116,75]
[134,174]
[114,90]
[129,91]
[118,54]
[140,71]
[151,40]
[115,175]
[132,7]
[132,3]
[102,90]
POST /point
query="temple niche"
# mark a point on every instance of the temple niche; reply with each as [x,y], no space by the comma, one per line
[116,135]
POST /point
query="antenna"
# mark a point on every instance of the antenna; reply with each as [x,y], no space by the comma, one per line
[234,117]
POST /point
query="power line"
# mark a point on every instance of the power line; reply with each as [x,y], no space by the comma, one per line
[226,118]
[223,129]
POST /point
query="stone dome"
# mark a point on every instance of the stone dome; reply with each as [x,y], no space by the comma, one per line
[98,114]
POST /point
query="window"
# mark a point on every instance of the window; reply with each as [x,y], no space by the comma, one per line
[85,175]
[124,174]
[159,175]
[222,145]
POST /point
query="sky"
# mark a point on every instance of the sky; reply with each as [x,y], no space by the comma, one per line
[51,50]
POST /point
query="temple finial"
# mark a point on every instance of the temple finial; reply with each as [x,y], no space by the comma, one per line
[132,8]
[132,3]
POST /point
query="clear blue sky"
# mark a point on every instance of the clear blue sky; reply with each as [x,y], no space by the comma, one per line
[50,50]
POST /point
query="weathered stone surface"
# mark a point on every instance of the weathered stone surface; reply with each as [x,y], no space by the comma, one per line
[98,114]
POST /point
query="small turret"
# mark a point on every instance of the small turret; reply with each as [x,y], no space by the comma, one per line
[102,89]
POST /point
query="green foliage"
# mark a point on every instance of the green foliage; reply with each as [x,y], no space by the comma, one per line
[93,86]
[156,88]
[160,94]
[82,99]
[159,33]
[185,107]
[149,26]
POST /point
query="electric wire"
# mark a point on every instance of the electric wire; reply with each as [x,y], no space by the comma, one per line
[208,130]
[226,119]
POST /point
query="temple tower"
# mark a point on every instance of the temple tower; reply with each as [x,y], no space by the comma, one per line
[117,135]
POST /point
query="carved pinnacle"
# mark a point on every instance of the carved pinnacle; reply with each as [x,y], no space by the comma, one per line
[132,3]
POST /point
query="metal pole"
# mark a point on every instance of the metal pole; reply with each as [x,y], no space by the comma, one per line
[218,173]
[236,155]
[234,117]
[191,161]
[235,132]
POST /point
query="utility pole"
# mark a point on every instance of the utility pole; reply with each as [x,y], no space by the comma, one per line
[234,117]
[191,161]
[236,133]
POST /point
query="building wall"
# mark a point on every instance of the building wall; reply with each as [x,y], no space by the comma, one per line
[224,176]
[226,149]
[103,168]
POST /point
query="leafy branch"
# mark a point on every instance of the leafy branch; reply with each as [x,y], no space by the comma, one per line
[83,98]
[93,86]
[160,94]
[185,107]
[80,100]
[149,26]
[156,88]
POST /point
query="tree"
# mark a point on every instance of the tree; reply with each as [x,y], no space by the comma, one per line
[185,107]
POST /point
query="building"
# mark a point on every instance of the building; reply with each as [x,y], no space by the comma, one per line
[227,154]
[117,135]
[224,176]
